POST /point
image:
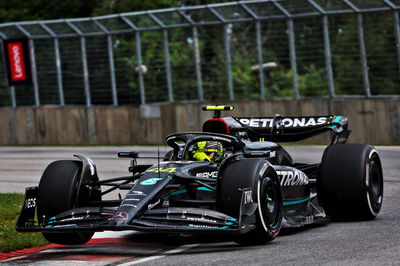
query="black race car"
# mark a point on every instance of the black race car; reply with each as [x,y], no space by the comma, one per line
[230,178]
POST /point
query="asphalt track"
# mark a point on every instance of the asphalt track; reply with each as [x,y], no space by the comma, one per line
[342,243]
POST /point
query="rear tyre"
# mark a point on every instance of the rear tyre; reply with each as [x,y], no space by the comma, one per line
[258,175]
[57,193]
[350,183]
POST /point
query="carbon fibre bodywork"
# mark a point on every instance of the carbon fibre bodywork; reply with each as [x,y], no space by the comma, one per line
[180,195]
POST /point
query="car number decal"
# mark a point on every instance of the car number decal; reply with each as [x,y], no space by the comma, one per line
[162,170]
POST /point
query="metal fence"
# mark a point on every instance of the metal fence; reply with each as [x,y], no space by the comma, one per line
[241,50]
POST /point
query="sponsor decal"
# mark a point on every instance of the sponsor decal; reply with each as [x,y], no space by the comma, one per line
[207,226]
[30,203]
[150,181]
[257,122]
[285,122]
[17,61]
[17,65]
[292,178]
[202,219]
[72,219]
[151,206]
[162,170]
[228,154]
[137,193]
[131,200]
[248,197]
[269,154]
[208,174]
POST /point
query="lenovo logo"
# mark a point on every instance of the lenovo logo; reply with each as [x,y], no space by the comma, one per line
[16,52]
[17,65]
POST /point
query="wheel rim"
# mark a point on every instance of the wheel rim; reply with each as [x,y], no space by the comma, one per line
[270,203]
[375,189]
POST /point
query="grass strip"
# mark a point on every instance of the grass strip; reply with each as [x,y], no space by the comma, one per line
[10,240]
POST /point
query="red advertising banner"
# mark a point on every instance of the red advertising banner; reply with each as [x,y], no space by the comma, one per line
[16,52]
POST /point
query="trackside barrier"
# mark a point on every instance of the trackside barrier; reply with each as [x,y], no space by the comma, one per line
[373,121]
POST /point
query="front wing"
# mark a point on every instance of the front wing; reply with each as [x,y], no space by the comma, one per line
[172,219]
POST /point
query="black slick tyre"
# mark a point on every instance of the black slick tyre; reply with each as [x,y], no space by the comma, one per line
[57,193]
[260,176]
[350,182]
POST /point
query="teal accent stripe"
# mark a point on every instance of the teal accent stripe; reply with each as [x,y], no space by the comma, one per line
[182,191]
[337,119]
[204,189]
[287,203]
[175,193]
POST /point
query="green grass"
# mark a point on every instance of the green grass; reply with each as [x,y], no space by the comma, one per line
[10,239]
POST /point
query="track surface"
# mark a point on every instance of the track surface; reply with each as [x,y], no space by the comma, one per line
[345,243]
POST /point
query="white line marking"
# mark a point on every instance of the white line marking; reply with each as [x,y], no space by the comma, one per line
[15,258]
[164,254]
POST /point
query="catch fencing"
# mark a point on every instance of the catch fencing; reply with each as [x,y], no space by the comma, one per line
[264,49]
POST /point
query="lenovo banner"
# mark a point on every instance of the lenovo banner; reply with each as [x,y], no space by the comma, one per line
[18,61]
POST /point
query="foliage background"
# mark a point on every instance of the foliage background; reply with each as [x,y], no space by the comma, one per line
[379,41]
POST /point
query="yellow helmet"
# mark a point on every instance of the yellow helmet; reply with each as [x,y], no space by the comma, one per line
[207,151]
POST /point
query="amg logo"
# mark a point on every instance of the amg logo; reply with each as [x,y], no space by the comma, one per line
[208,174]
[292,178]
[285,122]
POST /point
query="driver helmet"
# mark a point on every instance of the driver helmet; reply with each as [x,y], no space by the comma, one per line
[207,151]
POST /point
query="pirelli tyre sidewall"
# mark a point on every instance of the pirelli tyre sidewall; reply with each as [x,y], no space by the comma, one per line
[350,182]
[260,176]
[57,193]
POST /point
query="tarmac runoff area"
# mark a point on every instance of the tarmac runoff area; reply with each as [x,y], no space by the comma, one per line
[342,243]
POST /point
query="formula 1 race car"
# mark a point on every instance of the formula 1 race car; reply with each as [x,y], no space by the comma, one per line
[230,178]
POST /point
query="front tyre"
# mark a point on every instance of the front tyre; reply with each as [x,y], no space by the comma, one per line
[350,183]
[260,176]
[57,192]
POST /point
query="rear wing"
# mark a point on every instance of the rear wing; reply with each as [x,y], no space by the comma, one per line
[288,129]
[277,128]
